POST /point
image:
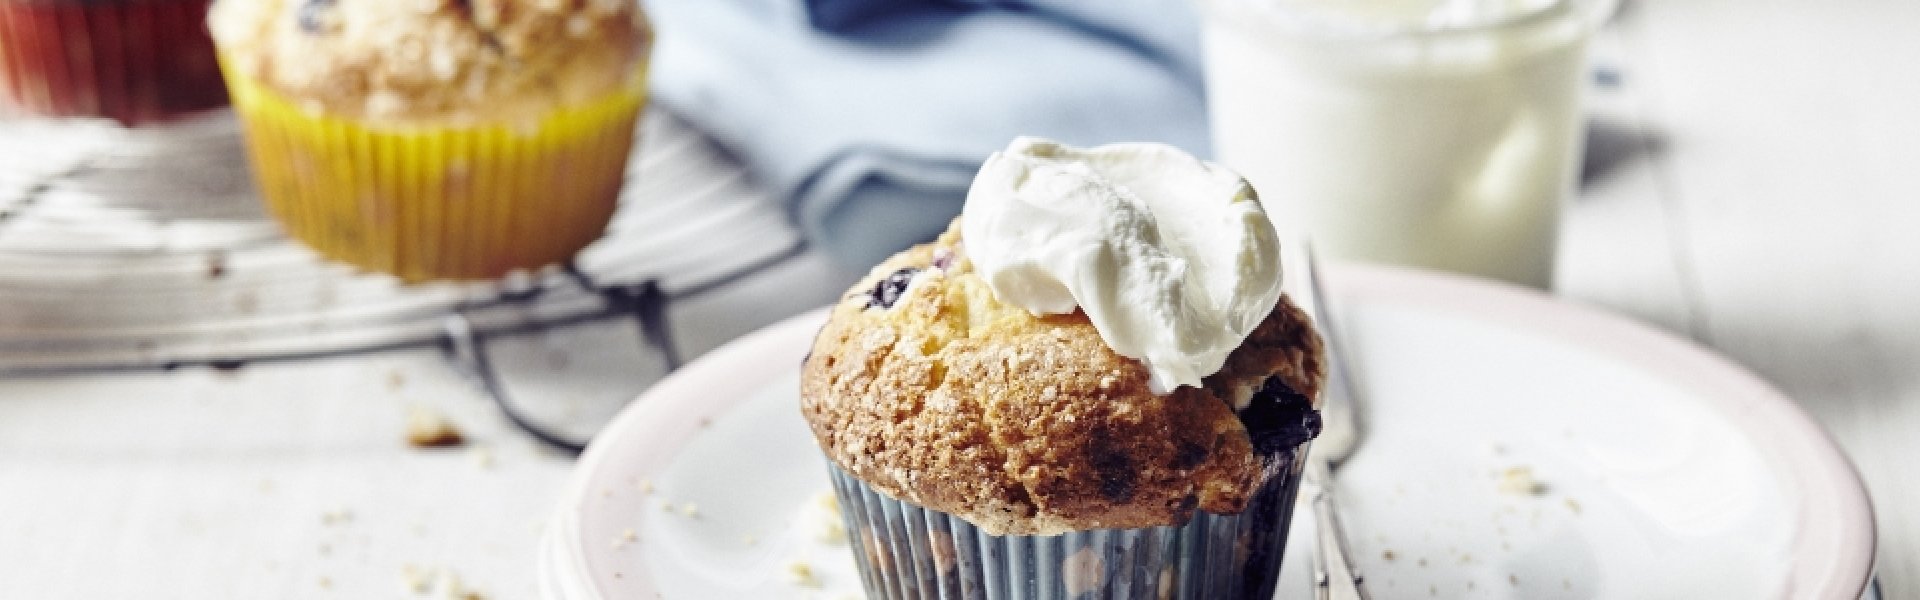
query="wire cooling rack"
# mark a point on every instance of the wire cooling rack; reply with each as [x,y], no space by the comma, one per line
[146,249]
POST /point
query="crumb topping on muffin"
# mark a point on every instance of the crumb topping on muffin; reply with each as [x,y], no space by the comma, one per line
[927,388]
[434,61]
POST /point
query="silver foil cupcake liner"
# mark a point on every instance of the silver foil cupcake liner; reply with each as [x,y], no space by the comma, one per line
[906,552]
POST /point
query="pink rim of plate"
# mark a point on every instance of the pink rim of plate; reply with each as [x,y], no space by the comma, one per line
[1835,539]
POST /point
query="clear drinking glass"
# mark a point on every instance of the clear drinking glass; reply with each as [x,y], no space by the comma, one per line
[1433,133]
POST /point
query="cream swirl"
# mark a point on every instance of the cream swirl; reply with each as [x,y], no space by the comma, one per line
[1171,257]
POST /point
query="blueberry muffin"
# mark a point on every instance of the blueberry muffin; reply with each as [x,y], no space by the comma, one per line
[438,139]
[133,61]
[981,450]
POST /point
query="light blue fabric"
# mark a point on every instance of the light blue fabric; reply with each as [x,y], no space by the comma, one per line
[871,116]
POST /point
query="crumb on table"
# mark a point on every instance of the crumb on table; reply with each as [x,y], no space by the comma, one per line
[428,428]
[336,517]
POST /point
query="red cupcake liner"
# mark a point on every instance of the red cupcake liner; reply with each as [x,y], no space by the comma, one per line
[134,61]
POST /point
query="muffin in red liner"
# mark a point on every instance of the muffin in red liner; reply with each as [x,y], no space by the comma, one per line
[134,61]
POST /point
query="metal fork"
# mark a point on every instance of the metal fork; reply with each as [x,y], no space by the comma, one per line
[1334,575]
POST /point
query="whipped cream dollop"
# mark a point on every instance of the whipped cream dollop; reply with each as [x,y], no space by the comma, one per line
[1170,256]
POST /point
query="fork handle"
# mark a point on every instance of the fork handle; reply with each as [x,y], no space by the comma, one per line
[1334,577]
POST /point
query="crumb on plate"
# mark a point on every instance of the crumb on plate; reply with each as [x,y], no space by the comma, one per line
[1519,481]
[802,574]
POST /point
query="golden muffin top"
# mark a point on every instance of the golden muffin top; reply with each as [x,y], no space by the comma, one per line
[434,61]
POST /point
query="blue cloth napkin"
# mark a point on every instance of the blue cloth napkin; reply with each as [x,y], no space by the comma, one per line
[871,116]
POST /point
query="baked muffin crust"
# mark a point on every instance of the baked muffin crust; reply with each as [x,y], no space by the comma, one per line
[434,61]
[924,386]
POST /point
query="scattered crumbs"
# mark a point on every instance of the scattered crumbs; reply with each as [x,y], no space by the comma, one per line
[1519,481]
[606,493]
[802,574]
[427,428]
[482,456]
[336,517]
[442,583]
[1506,547]
[1470,585]
[630,536]
[832,531]
[1566,584]
[829,501]
[1466,559]
[1422,562]
[706,422]
[396,379]
[1513,579]
[750,540]
[326,549]
[415,579]
[689,509]
[326,583]
[1573,505]
[1497,449]
[666,505]
[449,587]
[266,486]
[216,264]
[1433,590]
[1388,555]
[646,486]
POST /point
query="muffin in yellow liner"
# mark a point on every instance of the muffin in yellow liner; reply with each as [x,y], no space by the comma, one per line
[437,140]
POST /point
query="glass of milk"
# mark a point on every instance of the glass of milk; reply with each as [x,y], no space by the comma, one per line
[1433,133]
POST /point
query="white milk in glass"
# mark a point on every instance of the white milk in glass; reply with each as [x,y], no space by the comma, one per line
[1435,133]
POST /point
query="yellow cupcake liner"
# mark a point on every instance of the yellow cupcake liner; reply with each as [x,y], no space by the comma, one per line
[440,202]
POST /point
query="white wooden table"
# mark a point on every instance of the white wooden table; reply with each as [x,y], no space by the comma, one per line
[1763,199]
[1754,188]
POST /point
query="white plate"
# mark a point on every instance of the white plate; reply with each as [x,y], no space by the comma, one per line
[1668,472]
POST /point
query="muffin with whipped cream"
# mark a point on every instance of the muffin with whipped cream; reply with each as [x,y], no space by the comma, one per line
[1090,386]
[438,139]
